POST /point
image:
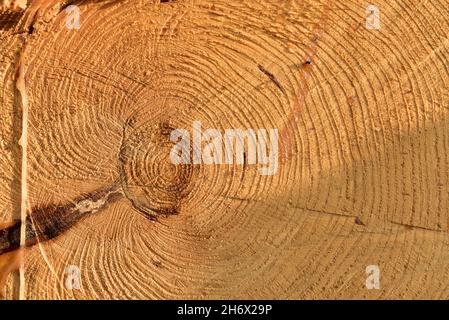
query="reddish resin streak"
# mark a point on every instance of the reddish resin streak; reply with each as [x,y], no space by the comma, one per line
[290,129]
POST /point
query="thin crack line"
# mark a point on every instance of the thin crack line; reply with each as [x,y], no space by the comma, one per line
[23,142]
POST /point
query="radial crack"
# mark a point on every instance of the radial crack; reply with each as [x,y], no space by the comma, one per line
[23,142]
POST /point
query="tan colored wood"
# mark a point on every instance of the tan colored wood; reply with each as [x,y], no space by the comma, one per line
[363,122]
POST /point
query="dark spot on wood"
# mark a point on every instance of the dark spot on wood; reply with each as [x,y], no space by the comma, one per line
[156,263]
[10,238]
[48,222]
[271,77]
[9,18]
[358,221]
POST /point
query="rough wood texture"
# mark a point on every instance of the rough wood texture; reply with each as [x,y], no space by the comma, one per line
[363,119]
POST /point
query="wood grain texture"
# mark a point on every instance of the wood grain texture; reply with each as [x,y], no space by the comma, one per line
[363,117]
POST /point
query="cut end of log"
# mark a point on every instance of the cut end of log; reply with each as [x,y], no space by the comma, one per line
[98,96]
